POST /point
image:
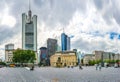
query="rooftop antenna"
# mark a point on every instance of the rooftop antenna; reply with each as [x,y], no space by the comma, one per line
[29,13]
[63,29]
[29,5]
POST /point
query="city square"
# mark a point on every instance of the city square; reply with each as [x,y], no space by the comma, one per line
[50,74]
[59,41]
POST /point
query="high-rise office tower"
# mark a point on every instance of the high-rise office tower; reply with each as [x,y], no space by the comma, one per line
[29,31]
[64,41]
[68,43]
[51,46]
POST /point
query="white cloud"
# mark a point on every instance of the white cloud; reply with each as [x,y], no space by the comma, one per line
[7,19]
[89,22]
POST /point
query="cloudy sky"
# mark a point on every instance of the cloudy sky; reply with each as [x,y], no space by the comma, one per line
[95,24]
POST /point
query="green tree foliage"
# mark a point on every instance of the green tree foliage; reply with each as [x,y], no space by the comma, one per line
[2,63]
[110,61]
[23,56]
[91,62]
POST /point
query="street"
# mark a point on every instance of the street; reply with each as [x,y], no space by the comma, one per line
[50,74]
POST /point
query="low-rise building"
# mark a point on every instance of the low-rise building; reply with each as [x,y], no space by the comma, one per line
[44,60]
[117,56]
[87,58]
[9,48]
[101,55]
[63,59]
[98,54]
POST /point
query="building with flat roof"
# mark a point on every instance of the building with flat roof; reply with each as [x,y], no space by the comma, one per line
[63,59]
[44,59]
[51,46]
[105,55]
[9,48]
[87,58]
[65,42]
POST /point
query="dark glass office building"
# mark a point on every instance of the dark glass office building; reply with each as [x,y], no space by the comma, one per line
[44,60]
[51,46]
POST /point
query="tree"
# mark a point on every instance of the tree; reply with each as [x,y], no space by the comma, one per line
[2,63]
[23,56]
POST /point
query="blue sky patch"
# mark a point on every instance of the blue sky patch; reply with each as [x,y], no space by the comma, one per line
[113,35]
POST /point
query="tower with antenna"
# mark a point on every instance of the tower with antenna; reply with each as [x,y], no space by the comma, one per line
[65,42]
[29,30]
[29,13]
[63,30]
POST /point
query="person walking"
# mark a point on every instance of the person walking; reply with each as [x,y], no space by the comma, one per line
[96,65]
[100,67]
[80,67]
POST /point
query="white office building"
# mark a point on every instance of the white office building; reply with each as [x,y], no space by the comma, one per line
[29,31]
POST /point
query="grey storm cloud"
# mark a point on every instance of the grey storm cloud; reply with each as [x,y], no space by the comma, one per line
[110,8]
[58,11]
[51,12]
[4,34]
[116,13]
[113,12]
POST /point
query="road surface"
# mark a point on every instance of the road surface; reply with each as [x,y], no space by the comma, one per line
[50,74]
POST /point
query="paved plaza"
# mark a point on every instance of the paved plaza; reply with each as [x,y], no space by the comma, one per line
[50,74]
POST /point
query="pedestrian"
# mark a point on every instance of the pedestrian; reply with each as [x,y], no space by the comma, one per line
[100,67]
[80,67]
[96,65]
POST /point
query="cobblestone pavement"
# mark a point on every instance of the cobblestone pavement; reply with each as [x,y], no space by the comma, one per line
[50,74]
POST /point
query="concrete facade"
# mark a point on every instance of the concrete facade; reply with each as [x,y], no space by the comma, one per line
[9,48]
[87,58]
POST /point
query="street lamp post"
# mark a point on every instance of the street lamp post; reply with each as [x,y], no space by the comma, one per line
[118,60]
[102,63]
[113,56]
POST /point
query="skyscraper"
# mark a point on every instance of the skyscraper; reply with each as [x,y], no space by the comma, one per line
[64,41]
[68,43]
[29,31]
[51,46]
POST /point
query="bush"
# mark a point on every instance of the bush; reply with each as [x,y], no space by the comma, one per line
[93,62]
[2,63]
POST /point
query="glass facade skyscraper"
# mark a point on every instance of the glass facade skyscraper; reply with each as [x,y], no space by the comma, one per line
[68,43]
[29,31]
[64,41]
